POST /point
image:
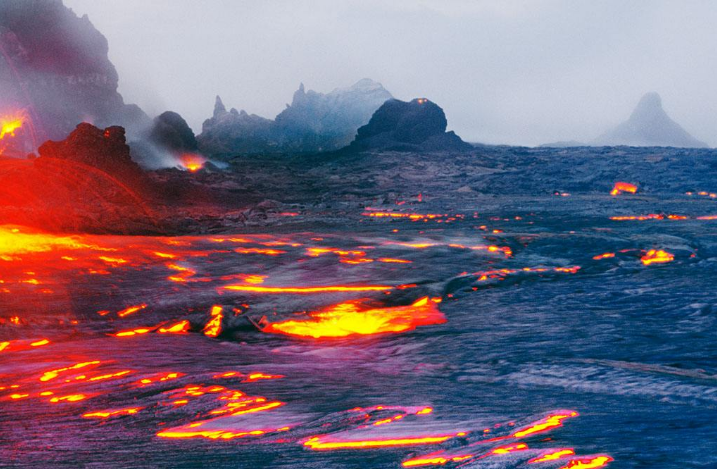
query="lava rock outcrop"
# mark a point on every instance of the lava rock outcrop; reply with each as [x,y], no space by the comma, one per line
[418,125]
[55,66]
[90,147]
[649,126]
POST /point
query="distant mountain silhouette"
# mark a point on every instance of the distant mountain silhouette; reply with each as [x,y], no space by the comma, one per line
[649,126]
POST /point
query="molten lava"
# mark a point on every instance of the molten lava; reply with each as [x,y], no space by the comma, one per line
[317,443]
[192,162]
[588,463]
[214,326]
[354,318]
[622,187]
[10,123]
[553,455]
[549,422]
[657,256]
[303,290]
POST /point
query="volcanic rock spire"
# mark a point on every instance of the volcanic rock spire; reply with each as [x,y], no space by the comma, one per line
[649,125]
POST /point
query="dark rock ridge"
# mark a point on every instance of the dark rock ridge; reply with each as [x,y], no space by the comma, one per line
[419,125]
[313,122]
[649,125]
[55,66]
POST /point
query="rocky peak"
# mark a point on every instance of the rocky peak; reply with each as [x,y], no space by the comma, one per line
[649,125]
[219,108]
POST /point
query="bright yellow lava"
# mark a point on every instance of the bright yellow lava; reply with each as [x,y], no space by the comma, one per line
[14,241]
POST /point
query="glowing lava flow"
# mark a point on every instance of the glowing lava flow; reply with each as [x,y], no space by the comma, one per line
[192,162]
[13,241]
[553,455]
[131,310]
[302,290]
[655,256]
[9,124]
[103,414]
[549,422]
[181,327]
[52,374]
[621,187]
[588,463]
[353,318]
[317,444]
[214,327]
[606,255]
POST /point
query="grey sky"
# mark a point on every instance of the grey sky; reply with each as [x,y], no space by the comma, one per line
[517,72]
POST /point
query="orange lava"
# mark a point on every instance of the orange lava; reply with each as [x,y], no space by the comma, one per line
[214,326]
[549,422]
[130,310]
[179,328]
[553,455]
[132,332]
[192,162]
[389,260]
[435,461]
[316,443]
[588,463]
[353,318]
[10,123]
[509,448]
[606,255]
[649,216]
[69,398]
[52,374]
[159,379]
[621,187]
[266,252]
[259,376]
[304,290]
[13,241]
[657,256]
[103,414]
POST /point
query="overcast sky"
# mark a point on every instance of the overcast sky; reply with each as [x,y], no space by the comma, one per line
[516,72]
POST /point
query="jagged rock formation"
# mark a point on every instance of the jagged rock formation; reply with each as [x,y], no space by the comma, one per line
[419,125]
[171,132]
[313,122]
[88,146]
[649,125]
[235,132]
[55,65]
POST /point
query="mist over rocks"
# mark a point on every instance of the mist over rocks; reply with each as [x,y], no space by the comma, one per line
[324,122]
[649,126]
[418,125]
[55,66]
[313,122]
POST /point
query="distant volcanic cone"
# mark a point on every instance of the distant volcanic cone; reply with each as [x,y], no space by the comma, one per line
[649,126]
